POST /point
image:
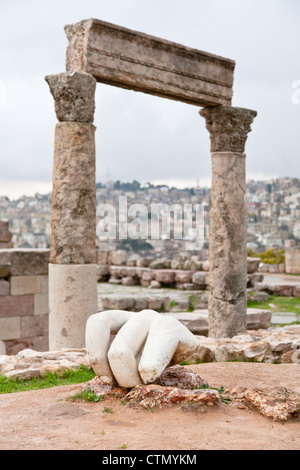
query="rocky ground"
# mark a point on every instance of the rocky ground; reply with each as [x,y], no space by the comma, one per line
[47,419]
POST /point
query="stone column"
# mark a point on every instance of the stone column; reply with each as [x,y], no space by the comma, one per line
[227,308]
[72,269]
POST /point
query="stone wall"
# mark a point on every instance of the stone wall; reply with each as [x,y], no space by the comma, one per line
[292,257]
[182,273]
[24,299]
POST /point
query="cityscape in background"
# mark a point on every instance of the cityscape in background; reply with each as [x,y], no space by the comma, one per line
[273,208]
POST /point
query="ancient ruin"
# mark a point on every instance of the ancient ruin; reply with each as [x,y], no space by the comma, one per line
[106,53]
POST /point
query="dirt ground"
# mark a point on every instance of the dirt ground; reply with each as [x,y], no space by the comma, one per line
[46,420]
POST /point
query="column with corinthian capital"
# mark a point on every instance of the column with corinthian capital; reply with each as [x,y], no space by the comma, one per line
[72,269]
[228,128]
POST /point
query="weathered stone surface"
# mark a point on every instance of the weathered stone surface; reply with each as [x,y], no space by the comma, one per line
[73,93]
[32,363]
[16,305]
[277,403]
[4,270]
[260,297]
[158,263]
[253,265]
[72,299]
[200,278]
[183,276]
[35,325]
[2,348]
[117,302]
[296,291]
[272,345]
[228,127]
[10,328]
[73,220]
[180,377]
[130,59]
[292,257]
[118,257]
[151,396]
[165,276]
[103,273]
[128,281]
[154,284]
[20,285]
[24,262]
[4,287]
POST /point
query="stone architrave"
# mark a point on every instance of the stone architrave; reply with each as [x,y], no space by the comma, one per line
[228,129]
[130,59]
[73,254]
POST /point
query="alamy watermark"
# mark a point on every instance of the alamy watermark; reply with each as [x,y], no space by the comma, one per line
[159,221]
[296,93]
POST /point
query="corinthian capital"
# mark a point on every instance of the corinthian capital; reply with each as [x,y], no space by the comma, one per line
[228,127]
[74,94]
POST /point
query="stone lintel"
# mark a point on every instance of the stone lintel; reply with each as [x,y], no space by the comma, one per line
[130,59]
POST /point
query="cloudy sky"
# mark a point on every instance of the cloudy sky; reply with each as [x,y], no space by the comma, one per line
[139,136]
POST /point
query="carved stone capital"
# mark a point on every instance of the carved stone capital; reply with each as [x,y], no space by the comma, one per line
[228,127]
[74,94]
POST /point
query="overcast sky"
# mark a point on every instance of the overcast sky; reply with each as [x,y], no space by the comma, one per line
[140,136]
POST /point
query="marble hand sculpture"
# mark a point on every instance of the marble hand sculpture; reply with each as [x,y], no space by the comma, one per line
[145,343]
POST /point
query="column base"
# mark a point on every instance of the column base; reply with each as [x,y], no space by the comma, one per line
[72,299]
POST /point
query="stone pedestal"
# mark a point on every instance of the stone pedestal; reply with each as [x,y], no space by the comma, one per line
[228,129]
[72,300]
[73,254]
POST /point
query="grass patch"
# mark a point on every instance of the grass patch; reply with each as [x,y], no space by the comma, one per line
[69,377]
[278,304]
[87,395]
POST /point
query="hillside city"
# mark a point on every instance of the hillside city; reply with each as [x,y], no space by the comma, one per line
[273,213]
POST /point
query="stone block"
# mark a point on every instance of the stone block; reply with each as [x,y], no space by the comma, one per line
[2,348]
[118,258]
[148,275]
[10,328]
[154,284]
[6,245]
[34,326]
[16,305]
[4,270]
[128,281]
[41,304]
[183,276]
[4,287]
[21,285]
[200,278]
[284,290]
[141,303]
[205,265]
[130,59]
[159,303]
[102,257]
[159,263]
[103,273]
[253,265]
[24,262]
[117,302]
[296,291]
[165,276]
